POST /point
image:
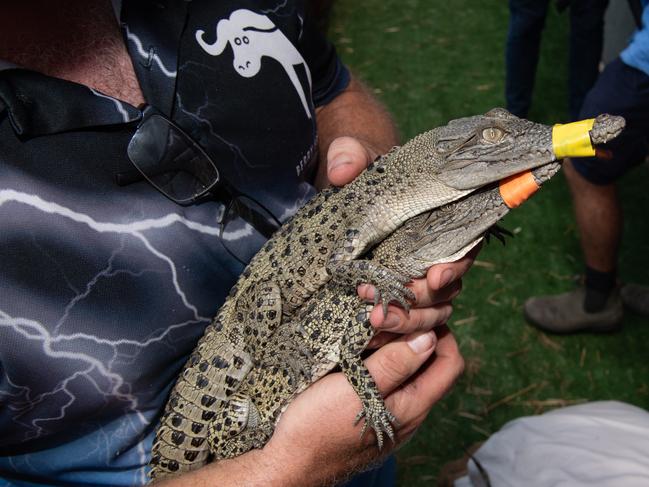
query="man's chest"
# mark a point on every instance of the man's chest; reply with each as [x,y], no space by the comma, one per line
[105,289]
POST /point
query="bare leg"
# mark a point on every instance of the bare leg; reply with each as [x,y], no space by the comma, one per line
[599,219]
[594,307]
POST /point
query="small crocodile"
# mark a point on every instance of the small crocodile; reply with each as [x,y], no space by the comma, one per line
[255,351]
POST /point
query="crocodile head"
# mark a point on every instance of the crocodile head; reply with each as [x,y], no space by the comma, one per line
[505,159]
[475,151]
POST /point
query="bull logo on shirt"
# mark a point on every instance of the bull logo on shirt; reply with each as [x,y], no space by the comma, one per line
[253,36]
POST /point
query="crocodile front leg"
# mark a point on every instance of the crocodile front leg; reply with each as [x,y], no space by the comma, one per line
[389,284]
[374,412]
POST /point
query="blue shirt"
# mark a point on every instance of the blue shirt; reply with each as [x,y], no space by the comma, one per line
[636,53]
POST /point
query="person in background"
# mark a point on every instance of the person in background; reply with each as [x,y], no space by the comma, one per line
[526,24]
[598,305]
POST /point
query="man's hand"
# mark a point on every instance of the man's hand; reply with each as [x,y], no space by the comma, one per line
[432,307]
[347,157]
[353,129]
[316,442]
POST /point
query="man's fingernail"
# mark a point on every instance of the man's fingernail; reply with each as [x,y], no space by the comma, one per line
[421,343]
[337,161]
[390,321]
[447,276]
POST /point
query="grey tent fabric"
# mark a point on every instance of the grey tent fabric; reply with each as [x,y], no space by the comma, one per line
[598,444]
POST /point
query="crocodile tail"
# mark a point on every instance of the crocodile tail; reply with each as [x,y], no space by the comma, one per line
[210,377]
[177,449]
[180,444]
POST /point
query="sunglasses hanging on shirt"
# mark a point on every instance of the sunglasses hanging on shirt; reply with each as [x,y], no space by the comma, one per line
[173,163]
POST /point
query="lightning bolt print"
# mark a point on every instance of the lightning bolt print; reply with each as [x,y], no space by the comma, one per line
[97,362]
[150,56]
[105,289]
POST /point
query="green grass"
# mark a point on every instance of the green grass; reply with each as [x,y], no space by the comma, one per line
[431,61]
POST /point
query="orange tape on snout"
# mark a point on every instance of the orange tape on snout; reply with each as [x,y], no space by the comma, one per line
[517,188]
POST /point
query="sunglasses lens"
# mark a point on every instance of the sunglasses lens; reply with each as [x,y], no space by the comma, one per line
[171,161]
[181,170]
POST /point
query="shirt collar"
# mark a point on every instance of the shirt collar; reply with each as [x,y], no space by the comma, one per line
[152,32]
[37,104]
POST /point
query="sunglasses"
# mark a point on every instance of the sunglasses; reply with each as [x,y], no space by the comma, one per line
[178,167]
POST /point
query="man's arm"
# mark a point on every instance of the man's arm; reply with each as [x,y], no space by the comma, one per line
[353,129]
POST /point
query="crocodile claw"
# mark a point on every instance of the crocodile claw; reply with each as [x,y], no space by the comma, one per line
[498,232]
[395,292]
[379,418]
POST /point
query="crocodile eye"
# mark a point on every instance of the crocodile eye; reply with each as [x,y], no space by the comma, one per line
[492,134]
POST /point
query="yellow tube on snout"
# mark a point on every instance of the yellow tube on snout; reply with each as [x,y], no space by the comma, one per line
[569,140]
[573,139]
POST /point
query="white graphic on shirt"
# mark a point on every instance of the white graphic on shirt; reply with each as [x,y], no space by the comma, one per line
[253,36]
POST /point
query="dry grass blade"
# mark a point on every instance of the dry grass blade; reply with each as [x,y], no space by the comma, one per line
[518,352]
[465,321]
[448,421]
[549,343]
[491,300]
[561,277]
[552,403]
[468,415]
[479,391]
[511,397]
[484,264]
[481,430]
[514,304]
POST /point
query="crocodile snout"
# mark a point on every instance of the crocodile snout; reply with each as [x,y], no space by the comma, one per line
[578,139]
[606,128]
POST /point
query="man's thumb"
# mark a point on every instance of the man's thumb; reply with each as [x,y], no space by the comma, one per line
[347,157]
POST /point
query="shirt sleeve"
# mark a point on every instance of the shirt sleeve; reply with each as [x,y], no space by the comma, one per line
[636,53]
[329,75]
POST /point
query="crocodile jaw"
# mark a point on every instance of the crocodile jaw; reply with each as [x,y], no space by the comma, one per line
[502,145]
